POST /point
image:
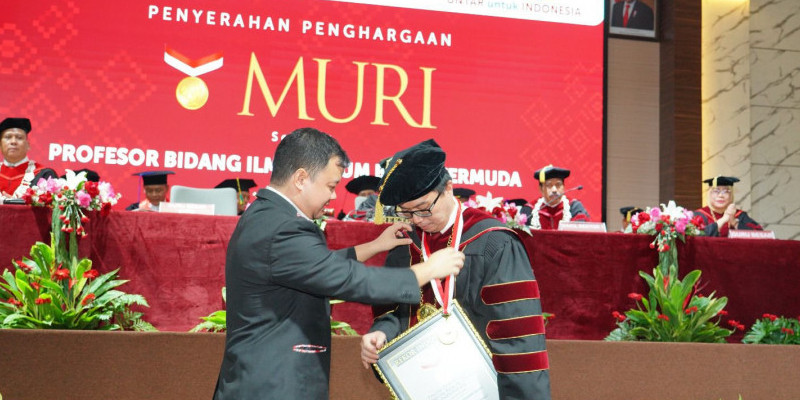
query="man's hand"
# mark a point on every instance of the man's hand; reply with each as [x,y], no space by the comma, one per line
[439,265]
[390,238]
[370,344]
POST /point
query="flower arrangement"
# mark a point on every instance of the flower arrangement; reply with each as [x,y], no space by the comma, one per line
[673,310]
[771,329]
[53,288]
[507,213]
[667,223]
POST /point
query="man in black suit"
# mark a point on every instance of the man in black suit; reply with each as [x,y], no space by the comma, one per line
[279,274]
[632,14]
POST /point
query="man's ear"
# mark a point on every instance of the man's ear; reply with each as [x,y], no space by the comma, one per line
[299,178]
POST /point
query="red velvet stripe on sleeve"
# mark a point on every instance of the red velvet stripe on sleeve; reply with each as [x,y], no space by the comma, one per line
[508,292]
[515,327]
[521,362]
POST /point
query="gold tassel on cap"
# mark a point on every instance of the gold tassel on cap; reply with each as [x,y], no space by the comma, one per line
[714,182]
[379,218]
[542,173]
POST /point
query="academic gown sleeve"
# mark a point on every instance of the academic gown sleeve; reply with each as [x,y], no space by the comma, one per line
[578,211]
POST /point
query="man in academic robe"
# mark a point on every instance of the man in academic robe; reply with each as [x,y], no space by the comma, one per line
[156,190]
[279,275]
[365,188]
[242,187]
[553,207]
[721,214]
[496,289]
[628,212]
[18,173]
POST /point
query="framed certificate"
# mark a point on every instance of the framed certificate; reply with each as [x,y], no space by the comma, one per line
[440,358]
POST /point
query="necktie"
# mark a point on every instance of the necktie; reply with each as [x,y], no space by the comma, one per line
[625,14]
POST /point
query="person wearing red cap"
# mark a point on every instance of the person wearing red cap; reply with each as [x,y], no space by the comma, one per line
[721,214]
[17,172]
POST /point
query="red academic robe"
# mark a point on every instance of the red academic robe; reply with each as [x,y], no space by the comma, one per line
[550,217]
[11,177]
[710,218]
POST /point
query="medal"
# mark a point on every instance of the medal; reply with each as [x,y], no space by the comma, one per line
[447,333]
[192,92]
[425,311]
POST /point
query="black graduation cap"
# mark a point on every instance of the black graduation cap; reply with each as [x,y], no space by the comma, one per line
[463,193]
[412,173]
[154,177]
[629,211]
[518,202]
[720,180]
[364,182]
[21,123]
[240,185]
[91,176]
[550,172]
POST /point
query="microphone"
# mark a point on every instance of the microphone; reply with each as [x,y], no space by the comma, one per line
[557,199]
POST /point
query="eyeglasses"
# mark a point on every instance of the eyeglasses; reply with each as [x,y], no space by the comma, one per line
[420,213]
[720,191]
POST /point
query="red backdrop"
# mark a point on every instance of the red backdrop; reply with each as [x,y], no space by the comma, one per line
[503,95]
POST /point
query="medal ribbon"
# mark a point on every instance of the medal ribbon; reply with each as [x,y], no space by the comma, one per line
[444,295]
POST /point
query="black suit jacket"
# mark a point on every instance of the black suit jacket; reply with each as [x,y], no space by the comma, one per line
[641,16]
[279,274]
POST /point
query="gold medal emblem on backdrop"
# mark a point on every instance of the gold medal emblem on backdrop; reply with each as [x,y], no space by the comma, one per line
[192,93]
[426,310]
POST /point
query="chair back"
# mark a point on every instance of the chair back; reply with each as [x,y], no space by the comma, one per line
[223,199]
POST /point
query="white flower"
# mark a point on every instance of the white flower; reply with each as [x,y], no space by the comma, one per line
[674,211]
[488,201]
[73,180]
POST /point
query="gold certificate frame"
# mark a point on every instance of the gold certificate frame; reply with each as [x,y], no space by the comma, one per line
[440,358]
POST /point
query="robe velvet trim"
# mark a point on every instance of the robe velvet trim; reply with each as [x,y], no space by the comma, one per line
[521,362]
[515,327]
[510,291]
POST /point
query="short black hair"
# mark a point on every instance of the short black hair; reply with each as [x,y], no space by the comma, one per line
[306,148]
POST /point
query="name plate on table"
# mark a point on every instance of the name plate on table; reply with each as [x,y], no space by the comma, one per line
[186,208]
[439,358]
[745,234]
[577,226]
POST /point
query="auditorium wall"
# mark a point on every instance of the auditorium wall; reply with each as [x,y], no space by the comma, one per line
[751,110]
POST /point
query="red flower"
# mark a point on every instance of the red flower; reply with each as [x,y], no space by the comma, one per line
[512,212]
[61,274]
[664,317]
[36,285]
[14,302]
[635,296]
[46,198]
[91,274]
[619,316]
[91,188]
[740,327]
[665,248]
[698,222]
[665,218]
[549,317]
[89,297]
[692,309]
[84,219]
[41,300]
[771,317]
[734,323]
[722,312]
[105,210]
[643,217]
[652,245]
[659,227]
[787,331]
[666,282]
[24,267]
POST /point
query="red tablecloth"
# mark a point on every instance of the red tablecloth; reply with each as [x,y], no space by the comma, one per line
[177,262]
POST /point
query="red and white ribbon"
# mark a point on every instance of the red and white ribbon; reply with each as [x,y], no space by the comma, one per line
[444,294]
[190,66]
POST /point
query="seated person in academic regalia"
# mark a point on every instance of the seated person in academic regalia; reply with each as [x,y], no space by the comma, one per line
[553,207]
[463,194]
[242,187]
[18,173]
[156,190]
[628,212]
[721,214]
[366,190]
[91,176]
